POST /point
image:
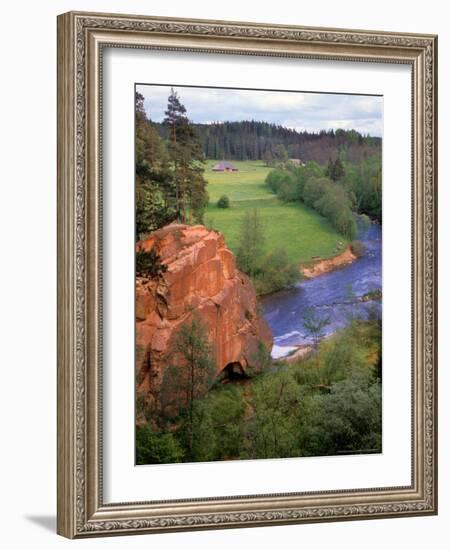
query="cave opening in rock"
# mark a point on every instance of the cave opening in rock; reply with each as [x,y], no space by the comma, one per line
[233,372]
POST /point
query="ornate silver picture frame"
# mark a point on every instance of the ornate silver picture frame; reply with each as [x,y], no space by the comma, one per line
[82,41]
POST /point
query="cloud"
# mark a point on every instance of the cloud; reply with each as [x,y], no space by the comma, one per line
[302,111]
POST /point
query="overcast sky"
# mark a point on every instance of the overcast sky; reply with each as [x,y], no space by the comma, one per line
[301,111]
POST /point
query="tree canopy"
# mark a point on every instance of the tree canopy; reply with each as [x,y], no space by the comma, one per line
[187,159]
[259,140]
[169,172]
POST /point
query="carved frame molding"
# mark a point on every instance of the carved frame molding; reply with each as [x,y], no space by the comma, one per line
[81,39]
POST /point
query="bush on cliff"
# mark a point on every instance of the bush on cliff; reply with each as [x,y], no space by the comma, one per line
[148,264]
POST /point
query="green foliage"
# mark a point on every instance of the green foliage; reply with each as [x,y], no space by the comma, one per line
[275,272]
[355,348]
[314,325]
[169,177]
[223,202]
[187,158]
[189,376]
[260,361]
[148,264]
[364,182]
[276,178]
[335,170]
[156,448]
[251,243]
[315,189]
[329,199]
[298,229]
[196,435]
[310,408]
[341,359]
[151,213]
[263,141]
[227,410]
[342,405]
[347,188]
[335,205]
[346,420]
[271,431]
[154,179]
[372,295]
[312,170]
[358,248]
[275,154]
[269,271]
[218,421]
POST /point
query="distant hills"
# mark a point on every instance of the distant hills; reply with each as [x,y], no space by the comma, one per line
[255,140]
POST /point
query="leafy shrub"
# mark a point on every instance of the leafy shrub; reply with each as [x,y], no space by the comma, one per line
[148,264]
[276,178]
[271,431]
[223,202]
[348,419]
[275,272]
[156,448]
[358,248]
[227,411]
[251,243]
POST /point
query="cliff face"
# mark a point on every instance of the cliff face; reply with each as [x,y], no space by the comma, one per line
[201,278]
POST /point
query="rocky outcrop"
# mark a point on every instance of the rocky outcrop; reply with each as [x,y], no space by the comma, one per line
[201,278]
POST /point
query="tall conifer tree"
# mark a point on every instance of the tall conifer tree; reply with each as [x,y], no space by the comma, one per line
[187,157]
[154,179]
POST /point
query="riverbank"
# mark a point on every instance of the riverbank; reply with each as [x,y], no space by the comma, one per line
[325,266]
[301,352]
[353,291]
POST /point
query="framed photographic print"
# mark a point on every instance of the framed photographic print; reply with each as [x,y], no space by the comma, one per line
[246,276]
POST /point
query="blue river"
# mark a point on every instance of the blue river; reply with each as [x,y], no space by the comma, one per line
[335,295]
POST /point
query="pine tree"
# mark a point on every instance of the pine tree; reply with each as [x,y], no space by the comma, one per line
[190,374]
[175,117]
[335,170]
[186,153]
[154,179]
[339,170]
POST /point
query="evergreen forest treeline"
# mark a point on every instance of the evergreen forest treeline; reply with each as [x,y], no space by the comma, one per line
[255,140]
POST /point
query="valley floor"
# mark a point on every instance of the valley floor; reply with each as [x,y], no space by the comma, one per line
[293,227]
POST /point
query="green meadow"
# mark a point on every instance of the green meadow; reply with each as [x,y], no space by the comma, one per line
[294,227]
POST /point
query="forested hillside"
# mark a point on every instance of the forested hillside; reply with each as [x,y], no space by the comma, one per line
[254,140]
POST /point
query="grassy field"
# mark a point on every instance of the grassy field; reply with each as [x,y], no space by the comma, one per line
[300,231]
[246,184]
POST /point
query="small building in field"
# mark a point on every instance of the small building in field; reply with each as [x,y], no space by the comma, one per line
[298,162]
[224,166]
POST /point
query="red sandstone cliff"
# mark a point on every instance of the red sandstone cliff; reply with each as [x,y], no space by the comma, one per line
[201,278]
